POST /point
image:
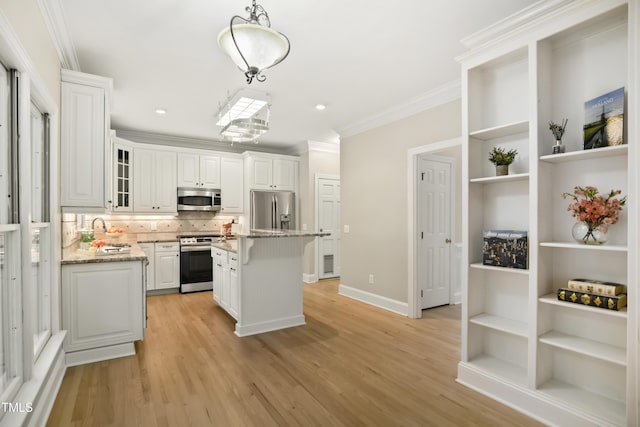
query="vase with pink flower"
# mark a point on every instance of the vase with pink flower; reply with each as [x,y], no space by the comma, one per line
[594,212]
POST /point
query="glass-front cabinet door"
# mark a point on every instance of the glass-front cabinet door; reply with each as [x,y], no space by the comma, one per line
[123,177]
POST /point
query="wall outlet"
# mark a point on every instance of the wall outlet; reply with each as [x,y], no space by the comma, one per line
[154,226]
[346,228]
[371,279]
[304,227]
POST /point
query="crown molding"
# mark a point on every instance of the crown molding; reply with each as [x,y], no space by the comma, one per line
[192,142]
[527,20]
[54,18]
[433,98]
[316,147]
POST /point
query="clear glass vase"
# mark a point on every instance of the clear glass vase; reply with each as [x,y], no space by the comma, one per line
[588,234]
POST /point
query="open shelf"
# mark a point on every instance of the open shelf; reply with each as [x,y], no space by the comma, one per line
[499,179]
[501,368]
[597,153]
[501,324]
[607,411]
[500,131]
[552,299]
[585,346]
[574,245]
[481,266]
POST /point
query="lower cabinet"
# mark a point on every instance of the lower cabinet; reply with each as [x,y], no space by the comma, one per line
[164,265]
[150,251]
[225,280]
[103,305]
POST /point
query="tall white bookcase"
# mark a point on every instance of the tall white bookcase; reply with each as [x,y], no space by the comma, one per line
[562,363]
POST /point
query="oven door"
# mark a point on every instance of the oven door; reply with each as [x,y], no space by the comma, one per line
[196,269]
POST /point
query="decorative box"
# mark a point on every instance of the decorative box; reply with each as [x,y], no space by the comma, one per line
[616,302]
[505,248]
[597,287]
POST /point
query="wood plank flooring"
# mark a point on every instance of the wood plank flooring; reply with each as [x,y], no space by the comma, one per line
[351,365]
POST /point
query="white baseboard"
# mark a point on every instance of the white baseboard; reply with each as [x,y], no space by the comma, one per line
[272,325]
[389,304]
[309,278]
[99,354]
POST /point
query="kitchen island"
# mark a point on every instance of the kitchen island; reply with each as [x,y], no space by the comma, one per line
[263,289]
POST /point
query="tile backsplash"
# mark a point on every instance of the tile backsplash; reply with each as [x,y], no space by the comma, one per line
[183,222]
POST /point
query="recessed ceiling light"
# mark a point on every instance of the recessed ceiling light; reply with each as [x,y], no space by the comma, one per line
[320,107]
[161,111]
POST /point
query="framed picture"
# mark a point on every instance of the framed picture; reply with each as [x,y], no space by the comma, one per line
[604,120]
[505,248]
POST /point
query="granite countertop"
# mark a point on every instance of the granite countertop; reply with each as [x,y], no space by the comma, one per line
[258,234]
[170,237]
[73,255]
[228,245]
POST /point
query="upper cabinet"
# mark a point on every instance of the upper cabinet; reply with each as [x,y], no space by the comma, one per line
[271,172]
[198,171]
[231,185]
[122,174]
[155,184]
[85,122]
[567,363]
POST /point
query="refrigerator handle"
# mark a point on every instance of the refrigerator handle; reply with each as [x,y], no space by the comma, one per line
[274,207]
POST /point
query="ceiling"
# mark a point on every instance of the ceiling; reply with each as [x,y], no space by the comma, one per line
[361,59]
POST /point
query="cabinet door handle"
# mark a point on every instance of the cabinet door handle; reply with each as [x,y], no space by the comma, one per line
[447,240]
[232,269]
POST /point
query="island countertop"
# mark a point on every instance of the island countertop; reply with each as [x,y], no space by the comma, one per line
[258,234]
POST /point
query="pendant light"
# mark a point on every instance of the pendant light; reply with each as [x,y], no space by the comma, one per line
[251,43]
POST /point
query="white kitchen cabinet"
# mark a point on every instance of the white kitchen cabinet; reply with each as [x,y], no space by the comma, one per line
[566,363]
[198,171]
[167,265]
[150,252]
[225,280]
[219,258]
[102,307]
[122,172]
[234,292]
[155,181]
[232,185]
[84,121]
[271,172]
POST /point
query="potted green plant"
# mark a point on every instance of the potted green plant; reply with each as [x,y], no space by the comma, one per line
[502,158]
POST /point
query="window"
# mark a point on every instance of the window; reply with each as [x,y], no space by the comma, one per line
[40,300]
[10,295]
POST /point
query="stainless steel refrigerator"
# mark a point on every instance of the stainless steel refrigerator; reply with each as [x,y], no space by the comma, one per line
[273,210]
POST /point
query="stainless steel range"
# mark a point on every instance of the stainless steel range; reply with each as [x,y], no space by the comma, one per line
[196,264]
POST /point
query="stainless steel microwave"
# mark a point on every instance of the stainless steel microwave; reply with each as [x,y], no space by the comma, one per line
[198,199]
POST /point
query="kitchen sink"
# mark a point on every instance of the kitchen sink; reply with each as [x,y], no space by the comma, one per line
[114,249]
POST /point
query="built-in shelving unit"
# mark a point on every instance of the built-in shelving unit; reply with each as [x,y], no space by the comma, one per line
[562,362]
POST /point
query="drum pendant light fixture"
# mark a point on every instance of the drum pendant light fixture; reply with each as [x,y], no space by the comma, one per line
[251,43]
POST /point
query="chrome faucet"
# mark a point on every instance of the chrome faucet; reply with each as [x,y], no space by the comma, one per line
[93,224]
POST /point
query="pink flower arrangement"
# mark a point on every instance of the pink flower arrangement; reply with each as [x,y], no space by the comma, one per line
[595,209]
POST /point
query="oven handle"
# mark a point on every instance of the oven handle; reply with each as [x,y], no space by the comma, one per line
[194,248]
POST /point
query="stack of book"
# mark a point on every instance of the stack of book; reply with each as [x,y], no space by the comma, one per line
[594,293]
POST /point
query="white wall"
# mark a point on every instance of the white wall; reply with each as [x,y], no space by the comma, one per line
[27,22]
[373,175]
[313,162]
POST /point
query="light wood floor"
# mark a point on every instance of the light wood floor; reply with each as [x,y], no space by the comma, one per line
[351,365]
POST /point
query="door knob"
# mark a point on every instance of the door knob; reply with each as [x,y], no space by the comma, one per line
[447,240]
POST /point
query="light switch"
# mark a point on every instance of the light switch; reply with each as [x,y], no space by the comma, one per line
[346,228]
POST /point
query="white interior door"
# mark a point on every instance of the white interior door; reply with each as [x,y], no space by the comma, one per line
[434,228]
[329,222]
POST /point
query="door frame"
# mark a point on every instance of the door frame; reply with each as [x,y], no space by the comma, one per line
[316,191]
[414,306]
